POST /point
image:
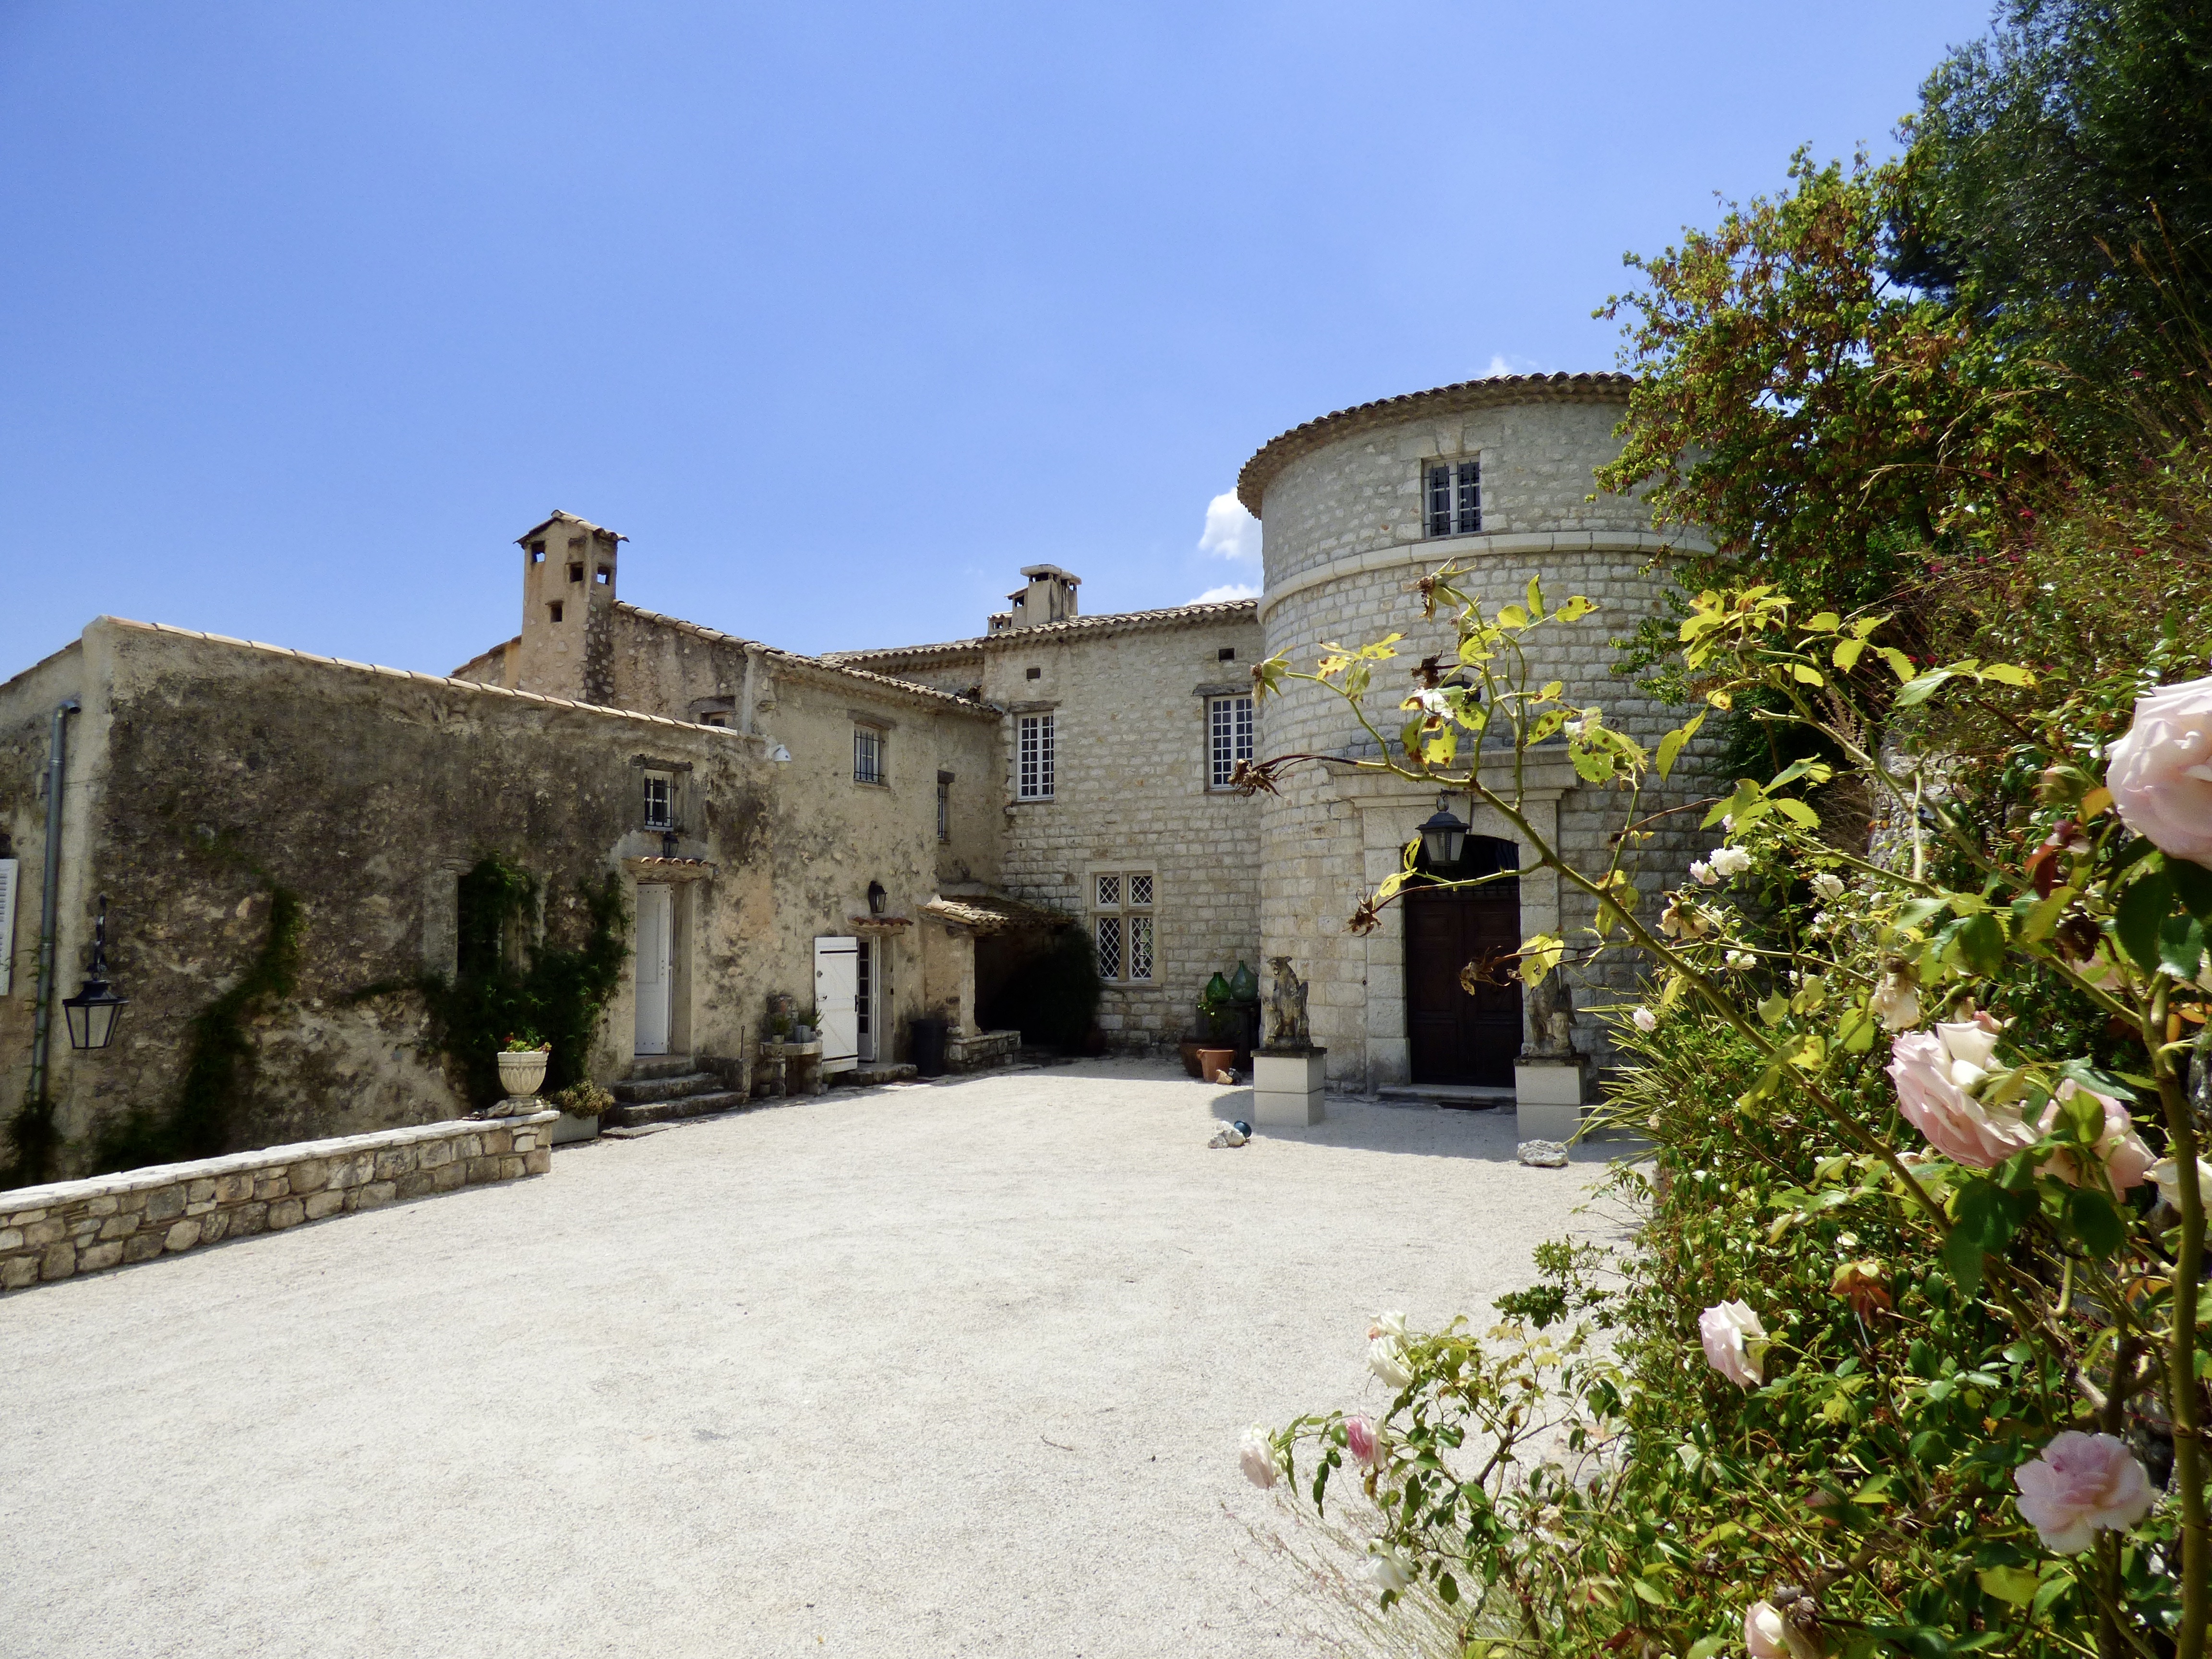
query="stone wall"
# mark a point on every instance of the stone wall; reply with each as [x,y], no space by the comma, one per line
[1343,545]
[74,1227]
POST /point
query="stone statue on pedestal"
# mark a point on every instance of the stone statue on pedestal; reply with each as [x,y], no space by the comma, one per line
[1550,1020]
[1287,1027]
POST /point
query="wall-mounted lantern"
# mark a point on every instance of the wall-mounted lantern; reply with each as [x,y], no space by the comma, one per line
[94,1011]
[875,898]
[1443,837]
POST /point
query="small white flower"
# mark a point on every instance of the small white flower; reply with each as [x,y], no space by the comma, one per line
[1895,1004]
[1644,1020]
[1391,1324]
[1256,1457]
[1737,961]
[1392,1569]
[1703,874]
[1828,886]
[1434,702]
[1731,862]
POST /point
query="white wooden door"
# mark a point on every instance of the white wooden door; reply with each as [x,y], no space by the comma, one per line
[836,1009]
[653,934]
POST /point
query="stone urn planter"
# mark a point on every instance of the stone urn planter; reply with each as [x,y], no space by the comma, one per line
[520,1074]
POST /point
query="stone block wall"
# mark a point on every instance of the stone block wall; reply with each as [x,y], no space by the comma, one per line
[1132,793]
[74,1227]
[1343,547]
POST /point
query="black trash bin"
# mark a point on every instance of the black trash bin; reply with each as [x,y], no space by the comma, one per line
[927,1039]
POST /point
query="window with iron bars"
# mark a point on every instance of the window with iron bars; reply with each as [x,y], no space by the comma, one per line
[867,755]
[1121,922]
[1455,494]
[659,801]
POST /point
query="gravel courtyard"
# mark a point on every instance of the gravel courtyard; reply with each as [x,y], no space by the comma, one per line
[947,1369]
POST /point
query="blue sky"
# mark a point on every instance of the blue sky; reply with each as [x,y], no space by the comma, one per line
[841,312]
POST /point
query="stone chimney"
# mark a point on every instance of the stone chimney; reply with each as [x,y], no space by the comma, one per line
[568,610]
[1049,598]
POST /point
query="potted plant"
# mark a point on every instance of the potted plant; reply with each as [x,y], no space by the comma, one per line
[580,1104]
[522,1061]
[1213,1017]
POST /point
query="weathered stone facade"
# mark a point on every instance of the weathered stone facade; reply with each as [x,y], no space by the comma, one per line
[1130,696]
[1342,508]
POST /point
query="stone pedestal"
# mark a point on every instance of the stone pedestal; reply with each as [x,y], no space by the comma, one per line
[1548,1096]
[1287,1086]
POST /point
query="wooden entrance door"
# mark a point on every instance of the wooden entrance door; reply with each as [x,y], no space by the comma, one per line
[1457,1037]
[655,937]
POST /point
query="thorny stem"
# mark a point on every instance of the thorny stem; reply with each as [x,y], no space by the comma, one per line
[2183,1392]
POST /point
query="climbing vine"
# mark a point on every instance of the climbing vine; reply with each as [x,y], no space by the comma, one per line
[503,985]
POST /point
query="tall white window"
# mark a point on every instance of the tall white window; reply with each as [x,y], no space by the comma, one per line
[1033,756]
[659,801]
[867,755]
[1454,496]
[1122,923]
[1229,737]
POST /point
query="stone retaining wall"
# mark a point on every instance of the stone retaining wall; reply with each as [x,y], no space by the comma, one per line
[73,1227]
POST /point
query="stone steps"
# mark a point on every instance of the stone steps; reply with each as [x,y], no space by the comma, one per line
[634,1116]
[864,1077]
[642,1090]
[656,1066]
[1467,1098]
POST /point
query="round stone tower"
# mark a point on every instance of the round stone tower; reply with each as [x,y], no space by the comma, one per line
[1494,475]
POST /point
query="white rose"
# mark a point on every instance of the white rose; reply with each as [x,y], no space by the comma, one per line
[1828,886]
[1256,1457]
[1734,1342]
[1392,1569]
[2166,1174]
[2160,774]
[1731,862]
[1386,1357]
[1391,1324]
[1703,872]
[1435,702]
[1644,1020]
[1895,1003]
[1739,960]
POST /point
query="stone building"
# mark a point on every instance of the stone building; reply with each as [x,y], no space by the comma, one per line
[882,834]
[1496,476]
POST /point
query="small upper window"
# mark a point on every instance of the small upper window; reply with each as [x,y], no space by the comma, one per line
[659,801]
[1032,673]
[867,755]
[575,573]
[555,610]
[538,552]
[606,574]
[1227,653]
[713,717]
[1454,496]
[945,806]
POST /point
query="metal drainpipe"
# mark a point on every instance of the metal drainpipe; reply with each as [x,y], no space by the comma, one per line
[50,896]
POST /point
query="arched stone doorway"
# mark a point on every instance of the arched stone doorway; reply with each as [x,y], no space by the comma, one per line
[1455,1036]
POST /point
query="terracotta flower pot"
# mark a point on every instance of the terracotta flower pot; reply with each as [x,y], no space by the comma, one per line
[1212,1060]
[521,1074]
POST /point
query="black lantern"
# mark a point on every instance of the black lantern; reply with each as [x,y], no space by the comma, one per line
[875,898]
[92,1012]
[1443,837]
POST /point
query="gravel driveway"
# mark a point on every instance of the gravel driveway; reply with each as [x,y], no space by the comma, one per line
[931,1369]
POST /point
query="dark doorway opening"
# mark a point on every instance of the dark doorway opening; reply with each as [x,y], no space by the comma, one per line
[1459,1035]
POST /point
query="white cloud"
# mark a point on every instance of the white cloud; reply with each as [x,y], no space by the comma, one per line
[1230,531]
[1234,591]
[1502,364]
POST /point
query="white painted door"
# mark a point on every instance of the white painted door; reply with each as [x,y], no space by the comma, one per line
[836,1007]
[654,934]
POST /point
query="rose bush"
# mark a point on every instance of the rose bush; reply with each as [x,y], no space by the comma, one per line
[1909,1355]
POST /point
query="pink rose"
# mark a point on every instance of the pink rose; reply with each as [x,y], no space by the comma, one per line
[1359,1439]
[2081,1483]
[1764,1632]
[2127,1161]
[1935,1073]
[2160,774]
[1734,1342]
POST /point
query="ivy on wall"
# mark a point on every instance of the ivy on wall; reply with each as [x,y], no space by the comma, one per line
[504,985]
